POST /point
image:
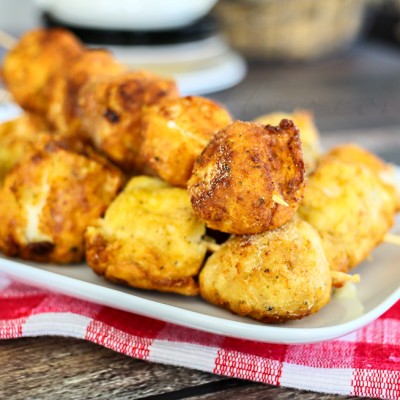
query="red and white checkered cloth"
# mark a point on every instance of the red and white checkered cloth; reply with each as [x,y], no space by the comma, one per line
[364,363]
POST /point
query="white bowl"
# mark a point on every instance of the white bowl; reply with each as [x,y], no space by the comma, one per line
[135,15]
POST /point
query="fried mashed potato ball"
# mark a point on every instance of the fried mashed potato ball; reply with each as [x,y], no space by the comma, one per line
[28,67]
[63,111]
[354,154]
[176,131]
[113,109]
[149,239]
[50,197]
[349,205]
[249,179]
[16,138]
[309,135]
[274,276]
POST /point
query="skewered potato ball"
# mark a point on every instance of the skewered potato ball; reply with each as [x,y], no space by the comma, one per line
[243,173]
[50,197]
[354,154]
[149,239]
[274,276]
[113,109]
[309,135]
[63,111]
[29,66]
[176,131]
[349,205]
[16,138]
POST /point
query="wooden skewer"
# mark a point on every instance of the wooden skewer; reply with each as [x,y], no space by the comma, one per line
[5,97]
[279,200]
[392,239]
[7,41]
[341,277]
[213,247]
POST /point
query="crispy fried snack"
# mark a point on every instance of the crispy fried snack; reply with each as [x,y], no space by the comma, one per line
[39,55]
[243,173]
[349,204]
[16,138]
[63,111]
[149,239]
[354,154]
[112,113]
[274,276]
[50,197]
[176,131]
[309,135]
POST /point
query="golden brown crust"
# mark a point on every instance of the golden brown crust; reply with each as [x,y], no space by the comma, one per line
[38,56]
[354,154]
[112,110]
[63,111]
[50,197]
[238,173]
[101,257]
[309,135]
[274,276]
[149,239]
[176,131]
[349,204]
[17,138]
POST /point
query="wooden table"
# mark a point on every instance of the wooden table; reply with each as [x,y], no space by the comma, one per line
[60,368]
[355,97]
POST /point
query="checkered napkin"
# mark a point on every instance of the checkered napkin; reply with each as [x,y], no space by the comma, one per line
[364,363]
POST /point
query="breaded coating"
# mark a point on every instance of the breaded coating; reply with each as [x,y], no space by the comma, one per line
[309,135]
[16,138]
[63,111]
[176,131]
[149,239]
[50,197]
[113,109]
[349,205]
[29,66]
[242,175]
[354,154]
[274,276]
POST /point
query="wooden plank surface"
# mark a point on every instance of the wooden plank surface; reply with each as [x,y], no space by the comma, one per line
[62,368]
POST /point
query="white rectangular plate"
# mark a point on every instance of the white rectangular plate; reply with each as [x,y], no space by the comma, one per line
[378,290]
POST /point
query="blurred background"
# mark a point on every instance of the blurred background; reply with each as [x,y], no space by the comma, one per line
[338,58]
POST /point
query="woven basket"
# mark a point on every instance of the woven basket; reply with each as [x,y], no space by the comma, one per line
[291,29]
